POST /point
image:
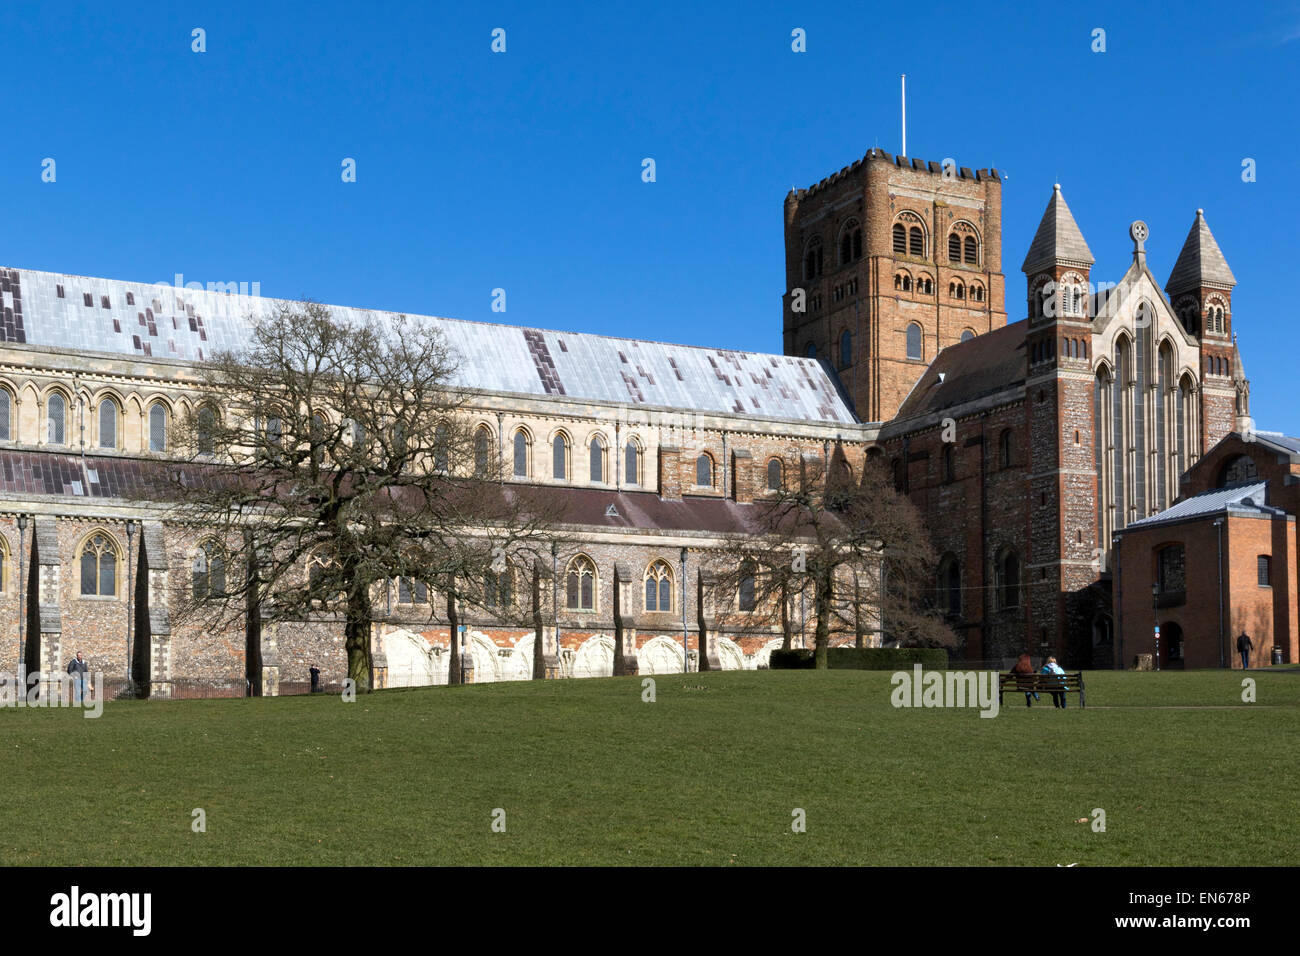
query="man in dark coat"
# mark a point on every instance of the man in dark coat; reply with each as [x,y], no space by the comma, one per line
[1245,646]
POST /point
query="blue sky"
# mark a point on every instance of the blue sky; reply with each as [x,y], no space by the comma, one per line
[522,170]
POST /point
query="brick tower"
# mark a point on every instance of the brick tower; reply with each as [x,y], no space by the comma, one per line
[888,261]
[1059,391]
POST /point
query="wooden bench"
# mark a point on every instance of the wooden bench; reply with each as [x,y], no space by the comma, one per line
[1042,684]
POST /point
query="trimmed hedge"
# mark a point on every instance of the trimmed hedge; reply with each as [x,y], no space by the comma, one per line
[864,659]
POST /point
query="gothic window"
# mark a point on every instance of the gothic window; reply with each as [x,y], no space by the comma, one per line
[521,454]
[949,465]
[99,566]
[846,349]
[659,587]
[482,451]
[774,476]
[632,463]
[440,448]
[950,586]
[954,247]
[6,406]
[1007,580]
[108,423]
[857,243]
[498,588]
[597,451]
[208,573]
[157,427]
[205,432]
[560,457]
[900,238]
[914,341]
[745,598]
[971,250]
[850,242]
[1004,448]
[412,591]
[581,584]
[55,413]
[704,471]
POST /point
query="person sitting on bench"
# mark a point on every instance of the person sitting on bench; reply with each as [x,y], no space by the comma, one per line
[1051,667]
[1025,666]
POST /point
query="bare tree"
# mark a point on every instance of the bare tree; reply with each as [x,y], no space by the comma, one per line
[858,546]
[349,458]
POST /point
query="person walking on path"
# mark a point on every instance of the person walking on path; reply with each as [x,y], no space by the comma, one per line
[1025,666]
[78,668]
[1245,646]
[1058,696]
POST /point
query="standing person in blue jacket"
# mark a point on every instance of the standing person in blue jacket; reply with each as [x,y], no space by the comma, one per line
[1051,667]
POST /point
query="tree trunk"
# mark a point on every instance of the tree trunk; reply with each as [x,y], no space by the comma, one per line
[825,583]
[356,637]
[539,658]
[787,632]
[859,633]
[454,675]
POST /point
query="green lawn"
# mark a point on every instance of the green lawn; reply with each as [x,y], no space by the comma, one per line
[709,774]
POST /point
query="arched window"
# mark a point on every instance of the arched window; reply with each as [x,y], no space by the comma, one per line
[55,414]
[967,335]
[914,341]
[498,588]
[1008,580]
[949,464]
[6,406]
[774,476]
[208,573]
[521,454]
[108,423]
[907,283]
[950,586]
[206,430]
[632,463]
[704,471]
[560,457]
[846,349]
[972,250]
[811,351]
[157,427]
[925,285]
[412,591]
[954,247]
[915,241]
[961,291]
[745,598]
[440,448]
[581,584]
[659,587]
[99,566]
[482,451]
[898,282]
[900,238]
[812,260]
[1004,448]
[597,451]
[900,475]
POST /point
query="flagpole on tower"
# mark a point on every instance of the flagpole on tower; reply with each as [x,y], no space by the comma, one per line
[903,77]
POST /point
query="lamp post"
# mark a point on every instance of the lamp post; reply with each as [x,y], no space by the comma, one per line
[1155,617]
[22,597]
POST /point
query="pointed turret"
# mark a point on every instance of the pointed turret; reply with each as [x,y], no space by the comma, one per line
[1058,239]
[1201,264]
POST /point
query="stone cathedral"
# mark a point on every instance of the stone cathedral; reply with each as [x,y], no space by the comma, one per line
[1029,445]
